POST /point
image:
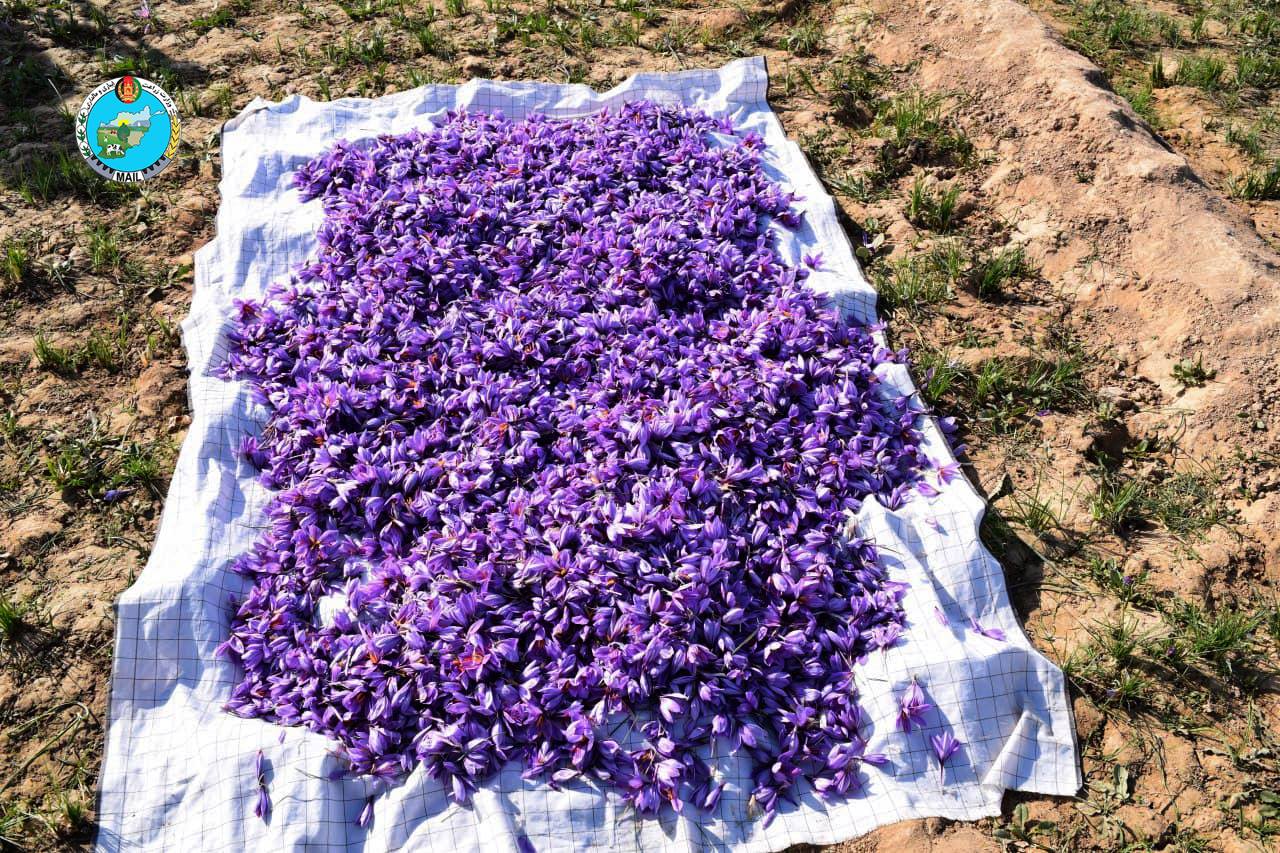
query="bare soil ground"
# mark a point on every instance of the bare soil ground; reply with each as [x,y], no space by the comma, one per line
[1205,74]
[1080,292]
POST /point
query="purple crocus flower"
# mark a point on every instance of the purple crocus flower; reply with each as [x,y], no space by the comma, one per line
[949,471]
[671,706]
[944,745]
[365,819]
[911,707]
[992,633]
[262,806]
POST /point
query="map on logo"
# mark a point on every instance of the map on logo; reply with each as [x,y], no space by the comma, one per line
[130,139]
[129,136]
[117,135]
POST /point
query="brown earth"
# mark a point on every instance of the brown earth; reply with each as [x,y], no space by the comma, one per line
[1142,266]
[1158,267]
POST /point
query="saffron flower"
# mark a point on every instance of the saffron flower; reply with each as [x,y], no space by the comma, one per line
[562,450]
[944,745]
[948,471]
[992,633]
[365,819]
[911,708]
[262,806]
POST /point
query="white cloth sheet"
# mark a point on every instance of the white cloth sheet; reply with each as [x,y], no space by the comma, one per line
[178,772]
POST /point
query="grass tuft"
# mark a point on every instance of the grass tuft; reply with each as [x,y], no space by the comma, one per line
[1225,641]
[42,179]
[1204,71]
[1257,70]
[992,272]
[1186,504]
[1007,391]
[15,263]
[104,249]
[917,132]
[1256,184]
[13,623]
[853,90]
[1193,374]
[805,39]
[60,360]
[932,207]
[911,285]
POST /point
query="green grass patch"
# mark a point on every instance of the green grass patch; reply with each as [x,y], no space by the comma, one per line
[431,42]
[25,81]
[1226,641]
[147,63]
[60,360]
[1103,26]
[936,374]
[1107,668]
[364,10]
[92,464]
[1257,70]
[365,49]
[1204,71]
[1032,511]
[853,89]
[1247,138]
[15,263]
[104,249]
[932,207]
[1005,392]
[13,622]
[43,179]
[910,286]
[1143,101]
[1186,504]
[1127,585]
[992,272]
[1193,374]
[917,132]
[806,38]
[1256,184]
[1260,25]
[73,467]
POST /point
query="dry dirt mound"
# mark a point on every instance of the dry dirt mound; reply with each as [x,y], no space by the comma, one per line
[1163,267]
[1169,268]
[1161,271]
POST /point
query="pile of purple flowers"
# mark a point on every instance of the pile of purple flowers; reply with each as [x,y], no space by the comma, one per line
[564,454]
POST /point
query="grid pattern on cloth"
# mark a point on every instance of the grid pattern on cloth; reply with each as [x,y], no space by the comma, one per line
[179,772]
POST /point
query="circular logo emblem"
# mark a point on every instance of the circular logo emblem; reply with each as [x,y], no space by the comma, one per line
[127,129]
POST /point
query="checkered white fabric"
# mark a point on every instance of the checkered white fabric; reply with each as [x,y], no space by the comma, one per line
[178,772]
